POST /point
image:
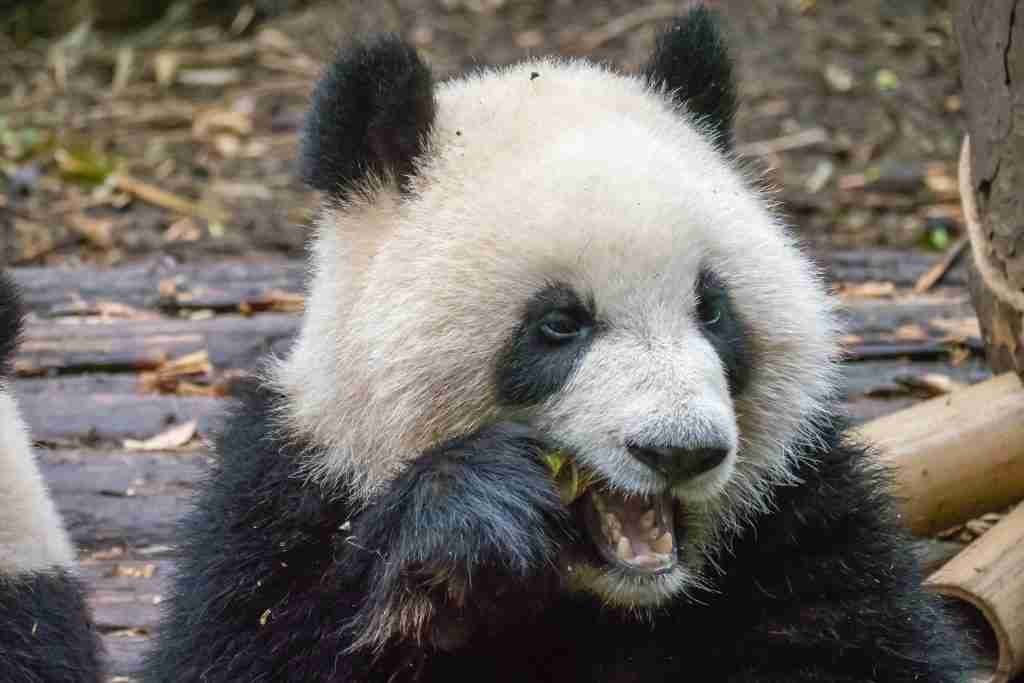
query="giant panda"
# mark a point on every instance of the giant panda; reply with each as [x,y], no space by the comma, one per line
[46,629]
[547,258]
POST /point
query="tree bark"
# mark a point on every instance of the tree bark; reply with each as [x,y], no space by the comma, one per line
[991,38]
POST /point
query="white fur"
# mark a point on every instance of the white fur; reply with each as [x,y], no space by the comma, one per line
[32,537]
[593,179]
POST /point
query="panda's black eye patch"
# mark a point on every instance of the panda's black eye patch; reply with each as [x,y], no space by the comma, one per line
[724,328]
[540,356]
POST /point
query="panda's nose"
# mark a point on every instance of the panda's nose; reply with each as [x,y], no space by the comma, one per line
[680,463]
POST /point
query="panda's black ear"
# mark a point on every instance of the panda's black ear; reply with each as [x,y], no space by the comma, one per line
[371,112]
[11,318]
[691,60]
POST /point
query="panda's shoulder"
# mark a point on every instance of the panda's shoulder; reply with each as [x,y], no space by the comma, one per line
[255,464]
[840,510]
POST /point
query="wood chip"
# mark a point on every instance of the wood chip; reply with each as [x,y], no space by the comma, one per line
[798,140]
[274,300]
[930,384]
[211,78]
[214,121]
[868,290]
[174,438]
[167,200]
[941,267]
[910,332]
[957,329]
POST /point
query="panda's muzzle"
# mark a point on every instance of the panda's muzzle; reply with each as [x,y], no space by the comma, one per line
[680,464]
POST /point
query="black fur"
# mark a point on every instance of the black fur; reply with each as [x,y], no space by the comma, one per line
[275,571]
[725,329]
[530,368]
[11,319]
[278,577]
[46,631]
[692,61]
[370,113]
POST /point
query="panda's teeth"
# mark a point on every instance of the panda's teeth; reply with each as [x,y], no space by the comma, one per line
[624,549]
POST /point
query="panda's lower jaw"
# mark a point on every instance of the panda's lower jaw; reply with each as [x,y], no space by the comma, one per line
[637,534]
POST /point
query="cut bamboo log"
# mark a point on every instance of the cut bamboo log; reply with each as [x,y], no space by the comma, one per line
[957,456]
[989,576]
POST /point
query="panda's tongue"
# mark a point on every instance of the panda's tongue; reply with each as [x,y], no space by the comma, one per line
[635,532]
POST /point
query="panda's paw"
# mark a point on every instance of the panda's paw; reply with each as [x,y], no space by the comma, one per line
[470,535]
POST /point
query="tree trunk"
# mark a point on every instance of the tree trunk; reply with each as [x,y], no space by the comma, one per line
[991,38]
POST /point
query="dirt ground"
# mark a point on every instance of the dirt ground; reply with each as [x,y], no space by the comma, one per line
[179,138]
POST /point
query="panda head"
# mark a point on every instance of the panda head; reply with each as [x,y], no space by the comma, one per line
[558,243]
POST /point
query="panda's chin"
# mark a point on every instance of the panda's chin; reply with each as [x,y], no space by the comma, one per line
[634,534]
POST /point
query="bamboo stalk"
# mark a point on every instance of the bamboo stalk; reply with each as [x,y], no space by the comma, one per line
[989,575]
[956,456]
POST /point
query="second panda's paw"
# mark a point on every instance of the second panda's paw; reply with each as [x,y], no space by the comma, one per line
[468,540]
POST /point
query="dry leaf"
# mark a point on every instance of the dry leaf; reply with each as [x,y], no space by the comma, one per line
[183,230]
[941,179]
[165,67]
[173,438]
[99,231]
[167,377]
[197,362]
[114,309]
[228,146]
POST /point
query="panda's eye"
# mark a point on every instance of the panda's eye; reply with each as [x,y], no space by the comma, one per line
[710,311]
[712,300]
[560,327]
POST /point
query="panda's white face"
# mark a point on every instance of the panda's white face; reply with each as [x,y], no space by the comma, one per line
[576,253]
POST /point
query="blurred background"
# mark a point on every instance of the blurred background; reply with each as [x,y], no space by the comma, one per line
[851,108]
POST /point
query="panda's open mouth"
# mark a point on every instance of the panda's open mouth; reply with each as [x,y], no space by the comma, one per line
[635,533]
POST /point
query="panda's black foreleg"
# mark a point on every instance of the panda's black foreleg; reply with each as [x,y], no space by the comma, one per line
[46,631]
[464,542]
